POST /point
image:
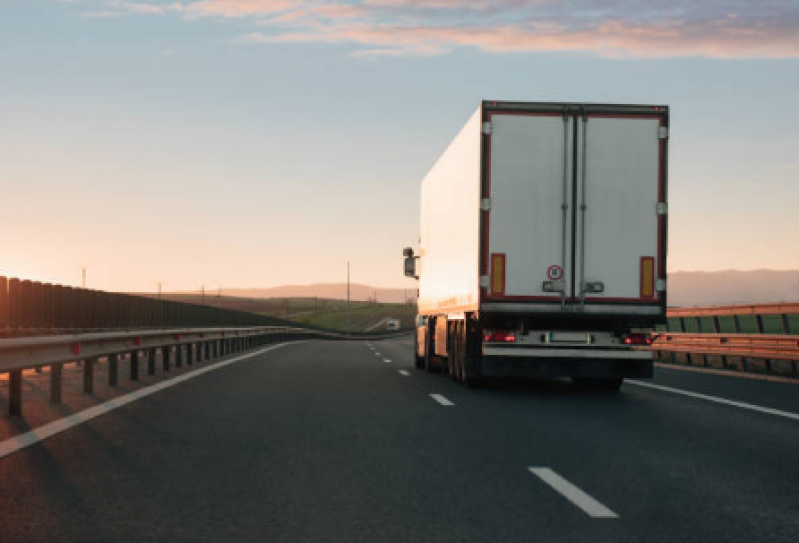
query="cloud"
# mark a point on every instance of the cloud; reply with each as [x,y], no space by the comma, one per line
[239,8]
[605,28]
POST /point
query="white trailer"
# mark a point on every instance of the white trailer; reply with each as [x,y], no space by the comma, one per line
[543,243]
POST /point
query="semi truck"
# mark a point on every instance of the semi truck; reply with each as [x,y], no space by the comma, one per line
[542,248]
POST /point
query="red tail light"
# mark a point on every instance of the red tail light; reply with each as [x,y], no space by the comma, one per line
[500,337]
[637,339]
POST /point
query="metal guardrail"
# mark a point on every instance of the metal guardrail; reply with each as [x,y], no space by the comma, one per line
[174,345]
[735,319]
[759,338]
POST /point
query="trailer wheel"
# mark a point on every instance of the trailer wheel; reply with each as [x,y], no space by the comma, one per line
[455,353]
[418,361]
[471,373]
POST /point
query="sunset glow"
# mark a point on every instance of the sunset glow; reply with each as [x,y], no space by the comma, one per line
[253,143]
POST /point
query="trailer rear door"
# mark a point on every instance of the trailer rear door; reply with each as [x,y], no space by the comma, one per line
[572,218]
[529,227]
[618,183]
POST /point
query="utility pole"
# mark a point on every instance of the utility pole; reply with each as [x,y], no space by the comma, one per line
[202,290]
[159,290]
[83,276]
[349,316]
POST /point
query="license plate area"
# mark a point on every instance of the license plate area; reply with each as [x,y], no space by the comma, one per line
[572,338]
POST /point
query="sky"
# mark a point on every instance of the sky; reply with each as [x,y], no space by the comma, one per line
[255,143]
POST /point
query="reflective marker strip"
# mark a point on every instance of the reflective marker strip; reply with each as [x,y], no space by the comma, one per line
[647,277]
[579,498]
[498,273]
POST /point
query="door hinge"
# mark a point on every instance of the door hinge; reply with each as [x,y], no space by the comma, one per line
[662,208]
[663,132]
[485,204]
[484,283]
[487,128]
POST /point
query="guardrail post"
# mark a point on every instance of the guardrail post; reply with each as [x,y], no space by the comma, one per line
[151,361]
[166,353]
[189,353]
[55,383]
[199,351]
[27,304]
[14,302]
[15,393]
[178,355]
[88,375]
[113,370]
[134,365]
[207,347]
[3,302]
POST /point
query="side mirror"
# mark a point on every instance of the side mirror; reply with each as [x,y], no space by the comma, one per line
[410,267]
[407,252]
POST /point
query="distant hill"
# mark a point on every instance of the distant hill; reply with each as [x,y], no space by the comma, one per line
[331,291]
[686,288]
[690,288]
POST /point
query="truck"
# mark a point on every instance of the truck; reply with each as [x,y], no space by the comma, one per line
[542,248]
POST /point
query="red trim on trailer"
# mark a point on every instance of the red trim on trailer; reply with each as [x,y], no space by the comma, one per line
[649,301]
[525,114]
[524,298]
[657,115]
[486,193]
[661,198]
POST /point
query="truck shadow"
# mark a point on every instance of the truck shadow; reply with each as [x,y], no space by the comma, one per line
[559,387]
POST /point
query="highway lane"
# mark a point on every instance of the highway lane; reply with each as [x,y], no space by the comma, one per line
[330,442]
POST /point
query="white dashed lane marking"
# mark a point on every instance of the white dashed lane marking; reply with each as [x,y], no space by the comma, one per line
[579,498]
[441,399]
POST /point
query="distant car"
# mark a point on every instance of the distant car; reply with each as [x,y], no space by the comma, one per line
[392,324]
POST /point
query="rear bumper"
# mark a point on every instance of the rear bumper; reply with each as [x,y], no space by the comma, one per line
[546,362]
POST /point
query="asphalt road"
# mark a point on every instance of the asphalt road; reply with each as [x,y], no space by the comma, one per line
[326,441]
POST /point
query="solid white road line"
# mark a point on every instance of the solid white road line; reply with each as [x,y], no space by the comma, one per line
[377,354]
[14,444]
[716,399]
[579,498]
[404,373]
[387,361]
[441,399]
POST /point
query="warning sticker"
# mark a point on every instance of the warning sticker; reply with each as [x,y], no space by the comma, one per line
[555,272]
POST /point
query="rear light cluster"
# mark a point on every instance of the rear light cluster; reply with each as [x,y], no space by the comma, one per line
[637,339]
[500,337]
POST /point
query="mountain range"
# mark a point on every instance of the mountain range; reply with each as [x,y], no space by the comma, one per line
[686,288]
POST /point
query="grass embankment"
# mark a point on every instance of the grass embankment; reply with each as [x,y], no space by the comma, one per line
[363,316]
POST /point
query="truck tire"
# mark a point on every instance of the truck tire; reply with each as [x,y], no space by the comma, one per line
[418,361]
[431,361]
[453,353]
[471,360]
